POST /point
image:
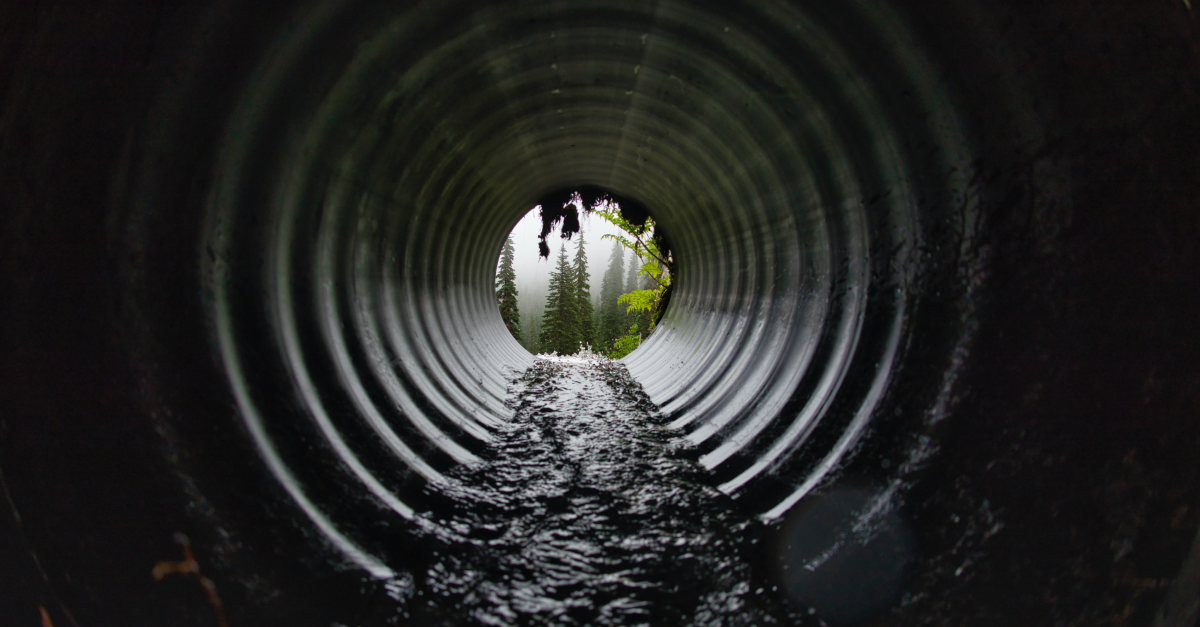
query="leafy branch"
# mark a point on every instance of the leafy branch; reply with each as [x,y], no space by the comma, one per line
[639,300]
[654,262]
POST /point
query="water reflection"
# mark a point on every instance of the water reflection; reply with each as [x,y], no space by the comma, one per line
[587,513]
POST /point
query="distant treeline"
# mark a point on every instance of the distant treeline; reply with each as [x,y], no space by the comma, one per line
[572,318]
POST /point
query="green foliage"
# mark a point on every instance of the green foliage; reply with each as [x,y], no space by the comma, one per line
[532,332]
[626,343]
[642,306]
[654,263]
[612,214]
[560,321]
[506,291]
[631,285]
[583,296]
[654,272]
[639,300]
[632,297]
[611,321]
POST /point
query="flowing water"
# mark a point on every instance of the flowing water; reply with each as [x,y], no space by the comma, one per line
[587,512]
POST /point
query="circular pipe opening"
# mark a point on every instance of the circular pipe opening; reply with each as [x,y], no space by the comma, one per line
[305,210]
[351,254]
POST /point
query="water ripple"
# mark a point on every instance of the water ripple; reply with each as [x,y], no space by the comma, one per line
[588,511]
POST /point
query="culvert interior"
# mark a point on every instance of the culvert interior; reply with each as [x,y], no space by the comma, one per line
[272,230]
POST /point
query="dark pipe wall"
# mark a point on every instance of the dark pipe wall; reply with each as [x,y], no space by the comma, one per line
[937,269]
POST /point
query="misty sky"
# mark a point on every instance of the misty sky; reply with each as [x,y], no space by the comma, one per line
[533,272]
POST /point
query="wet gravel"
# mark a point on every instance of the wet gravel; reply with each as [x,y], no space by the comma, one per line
[587,512]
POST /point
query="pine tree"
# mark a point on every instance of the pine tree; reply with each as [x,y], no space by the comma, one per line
[583,296]
[506,291]
[611,288]
[560,331]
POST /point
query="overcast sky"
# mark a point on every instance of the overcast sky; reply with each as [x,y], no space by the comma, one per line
[533,272]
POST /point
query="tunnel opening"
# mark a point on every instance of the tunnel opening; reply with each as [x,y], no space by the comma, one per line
[804,243]
[345,263]
[270,319]
[591,297]
[799,251]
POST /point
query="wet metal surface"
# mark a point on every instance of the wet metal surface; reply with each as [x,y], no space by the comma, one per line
[933,330]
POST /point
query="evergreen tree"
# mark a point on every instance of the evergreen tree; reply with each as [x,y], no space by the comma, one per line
[631,278]
[611,314]
[560,321]
[583,296]
[654,257]
[506,291]
[531,333]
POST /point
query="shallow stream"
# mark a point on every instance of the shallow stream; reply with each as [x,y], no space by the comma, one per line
[588,512]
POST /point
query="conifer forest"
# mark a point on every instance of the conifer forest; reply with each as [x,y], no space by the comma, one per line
[564,316]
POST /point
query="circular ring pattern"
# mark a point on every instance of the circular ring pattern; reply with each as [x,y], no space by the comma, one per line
[807,162]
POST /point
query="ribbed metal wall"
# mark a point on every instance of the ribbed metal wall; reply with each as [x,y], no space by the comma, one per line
[356,214]
[252,248]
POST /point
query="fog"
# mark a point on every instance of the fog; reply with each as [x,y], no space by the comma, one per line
[533,272]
